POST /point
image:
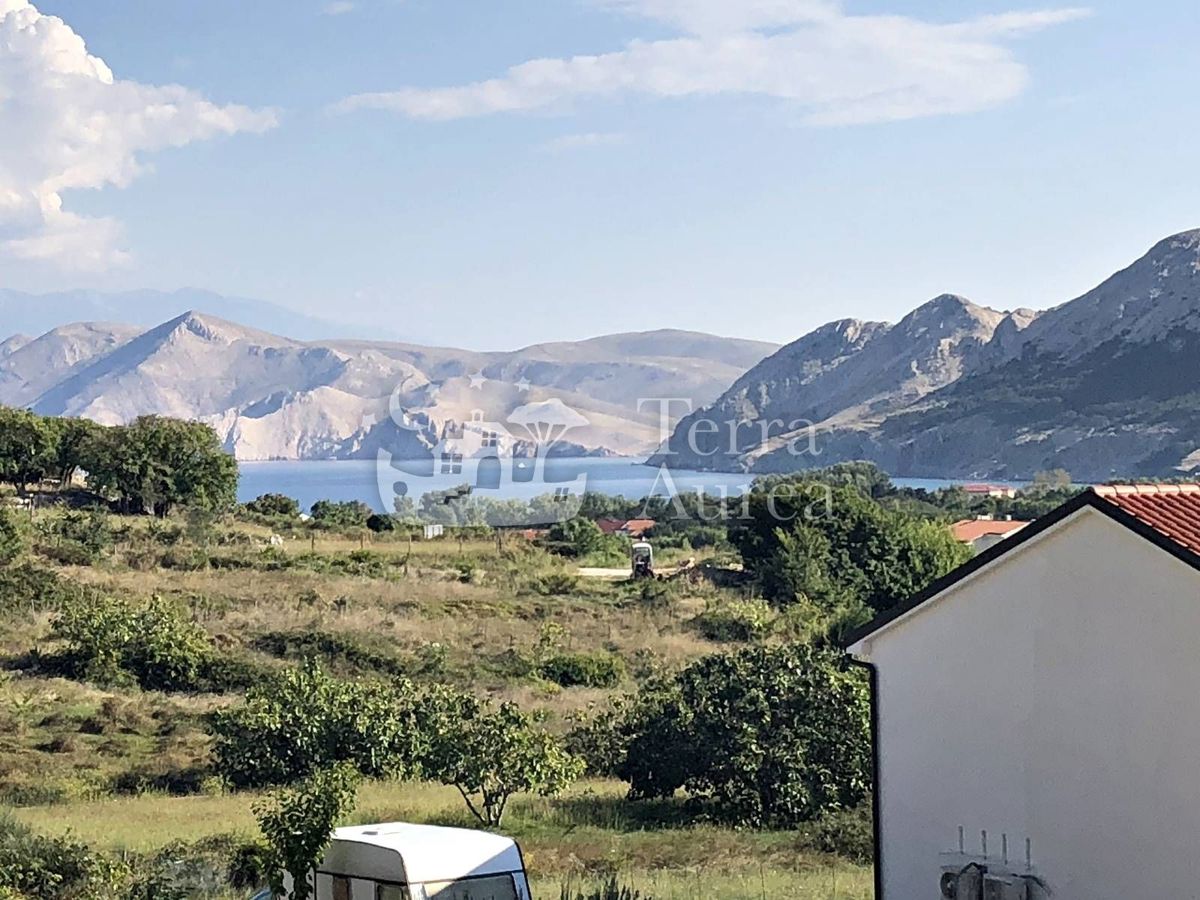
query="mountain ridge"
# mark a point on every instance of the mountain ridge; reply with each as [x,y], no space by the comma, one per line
[273,397]
[1091,385]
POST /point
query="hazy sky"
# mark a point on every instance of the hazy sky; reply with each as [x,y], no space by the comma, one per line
[492,173]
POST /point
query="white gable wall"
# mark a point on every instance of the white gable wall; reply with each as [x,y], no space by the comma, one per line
[1054,695]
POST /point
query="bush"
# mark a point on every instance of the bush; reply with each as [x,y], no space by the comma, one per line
[274,505]
[332,647]
[610,890]
[341,514]
[26,587]
[110,641]
[14,537]
[491,754]
[380,524]
[583,669]
[737,620]
[575,537]
[54,868]
[303,719]
[79,538]
[847,833]
[770,737]
[599,739]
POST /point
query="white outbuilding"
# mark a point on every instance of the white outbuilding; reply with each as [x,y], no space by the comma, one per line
[1036,713]
[401,861]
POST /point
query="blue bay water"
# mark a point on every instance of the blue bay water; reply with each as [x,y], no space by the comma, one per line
[310,481]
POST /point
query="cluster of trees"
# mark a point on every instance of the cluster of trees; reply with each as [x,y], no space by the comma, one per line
[304,721]
[151,465]
[837,550]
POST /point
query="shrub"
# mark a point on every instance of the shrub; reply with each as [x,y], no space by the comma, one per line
[297,824]
[274,505]
[599,739]
[575,537]
[556,584]
[341,514]
[303,719]
[737,620]
[14,537]
[31,588]
[583,669]
[770,737]
[54,868]
[333,647]
[380,524]
[79,538]
[847,833]
[610,890]
[109,640]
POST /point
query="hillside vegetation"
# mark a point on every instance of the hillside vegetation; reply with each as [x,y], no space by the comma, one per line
[163,676]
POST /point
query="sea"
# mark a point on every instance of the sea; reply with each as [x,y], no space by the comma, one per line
[373,483]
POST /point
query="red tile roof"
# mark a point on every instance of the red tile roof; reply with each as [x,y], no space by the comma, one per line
[970,530]
[1170,509]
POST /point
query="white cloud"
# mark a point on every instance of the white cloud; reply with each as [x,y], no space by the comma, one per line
[836,68]
[68,123]
[584,140]
[338,8]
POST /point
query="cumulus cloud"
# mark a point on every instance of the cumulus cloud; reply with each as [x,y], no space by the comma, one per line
[338,8]
[68,123]
[836,68]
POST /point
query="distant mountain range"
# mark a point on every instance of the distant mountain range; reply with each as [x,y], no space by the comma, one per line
[1102,386]
[34,314]
[271,397]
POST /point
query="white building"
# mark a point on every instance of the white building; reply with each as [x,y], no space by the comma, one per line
[1048,691]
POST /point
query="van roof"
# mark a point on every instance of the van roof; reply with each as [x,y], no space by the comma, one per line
[436,853]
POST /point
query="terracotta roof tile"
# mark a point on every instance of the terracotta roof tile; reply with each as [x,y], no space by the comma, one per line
[1171,509]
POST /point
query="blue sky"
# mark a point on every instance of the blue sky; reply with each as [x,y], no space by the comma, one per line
[751,169]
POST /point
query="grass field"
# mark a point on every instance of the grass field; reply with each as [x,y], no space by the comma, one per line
[92,760]
[580,838]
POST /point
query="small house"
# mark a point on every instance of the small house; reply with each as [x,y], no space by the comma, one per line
[1036,713]
[984,531]
[999,491]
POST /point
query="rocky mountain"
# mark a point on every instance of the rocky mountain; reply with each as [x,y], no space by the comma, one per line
[271,397]
[1101,386]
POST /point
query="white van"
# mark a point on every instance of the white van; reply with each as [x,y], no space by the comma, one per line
[420,862]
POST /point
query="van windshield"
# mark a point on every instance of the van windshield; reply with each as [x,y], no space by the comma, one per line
[495,887]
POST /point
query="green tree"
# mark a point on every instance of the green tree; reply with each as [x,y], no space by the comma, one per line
[303,720]
[490,754]
[28,448]
[341,514]
[771,737]
[72,440]
[835,547]
[298,825]
[274,505]
[577,537]
[155,464]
